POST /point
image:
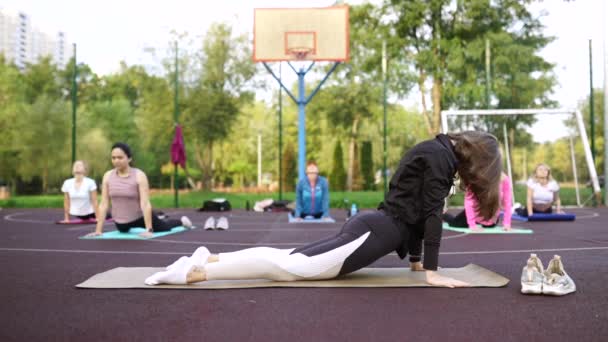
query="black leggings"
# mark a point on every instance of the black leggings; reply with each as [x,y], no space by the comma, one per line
[460,220]
[86,217]
[315,215]
[524,211]
[91,216]
[384,238]
[157,224]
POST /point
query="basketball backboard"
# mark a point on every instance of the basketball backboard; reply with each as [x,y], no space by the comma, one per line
[290,34]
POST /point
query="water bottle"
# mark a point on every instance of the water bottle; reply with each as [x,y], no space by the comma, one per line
[353,210]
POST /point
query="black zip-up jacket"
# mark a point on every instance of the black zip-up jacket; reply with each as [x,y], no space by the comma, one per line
[416,197]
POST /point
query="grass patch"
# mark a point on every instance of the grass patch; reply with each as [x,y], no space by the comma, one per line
[195,199]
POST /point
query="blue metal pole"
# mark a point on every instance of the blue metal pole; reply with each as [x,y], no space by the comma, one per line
[301,126]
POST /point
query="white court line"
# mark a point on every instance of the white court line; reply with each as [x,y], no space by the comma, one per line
[588,216]
[43,250]
[202,243]
[573,249]
[10,218]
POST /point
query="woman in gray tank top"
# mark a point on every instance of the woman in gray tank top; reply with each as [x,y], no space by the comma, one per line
[128,191]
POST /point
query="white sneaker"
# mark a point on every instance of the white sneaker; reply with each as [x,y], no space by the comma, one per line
[532,276]
[186,222]
[557,282]
[210,223]
[222,223]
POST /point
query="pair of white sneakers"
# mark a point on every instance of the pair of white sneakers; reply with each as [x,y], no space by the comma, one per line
[221,224]
[552,281]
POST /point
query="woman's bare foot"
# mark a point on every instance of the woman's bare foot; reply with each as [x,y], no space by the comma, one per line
[213,258]
[195,275]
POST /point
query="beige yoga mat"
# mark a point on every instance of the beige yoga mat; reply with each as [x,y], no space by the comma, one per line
[133,277]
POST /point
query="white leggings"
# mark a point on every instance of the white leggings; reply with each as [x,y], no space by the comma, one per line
[280,265]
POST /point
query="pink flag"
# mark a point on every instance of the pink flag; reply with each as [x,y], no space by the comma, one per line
[178,149]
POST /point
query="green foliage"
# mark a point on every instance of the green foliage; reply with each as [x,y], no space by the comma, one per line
[337,181]
[445,42]
[43,145]
[367,166]
[436,45]
[598,122]
[290,171]
[218,95]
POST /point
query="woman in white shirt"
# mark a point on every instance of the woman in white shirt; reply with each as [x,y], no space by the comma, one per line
[79,194]
[543,192]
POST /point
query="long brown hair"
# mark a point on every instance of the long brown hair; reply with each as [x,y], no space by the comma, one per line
[479,168]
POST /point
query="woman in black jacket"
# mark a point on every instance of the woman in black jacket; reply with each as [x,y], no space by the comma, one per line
[409,217]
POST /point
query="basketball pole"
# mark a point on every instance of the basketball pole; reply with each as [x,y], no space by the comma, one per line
[280,135]
[175,119]
[591,102]
[302,100]
[74,104]
[384,81]
[605,47]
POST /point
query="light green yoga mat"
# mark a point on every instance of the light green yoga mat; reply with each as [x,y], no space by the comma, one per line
[133,234]
[493,230]
[133,277]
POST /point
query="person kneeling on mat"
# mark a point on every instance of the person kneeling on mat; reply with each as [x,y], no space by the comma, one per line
[127,189]
[469,216]
[79,194]
[409,217]
[312,195]
[543,192]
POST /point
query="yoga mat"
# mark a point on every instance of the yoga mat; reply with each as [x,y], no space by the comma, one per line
[310,219]
[133,277]
[81,221]
[493,230]
[133,234]
[545,217]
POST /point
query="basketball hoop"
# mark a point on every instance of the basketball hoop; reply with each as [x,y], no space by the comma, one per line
[299,53]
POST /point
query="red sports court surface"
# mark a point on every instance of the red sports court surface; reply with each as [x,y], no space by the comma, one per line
[41,262]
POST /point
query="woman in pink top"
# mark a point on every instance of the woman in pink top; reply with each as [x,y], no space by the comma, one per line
[127,188]
[469,216]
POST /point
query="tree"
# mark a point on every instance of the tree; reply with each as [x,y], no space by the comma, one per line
[41,79]
[43,145]
[352,95]
[290,172]
[219,93]
[445,40]
[367,166]
[598,105]
[11,107]
[337,181]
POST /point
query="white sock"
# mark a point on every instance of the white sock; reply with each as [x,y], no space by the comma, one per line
[176,262]
[198,258]
[176,275]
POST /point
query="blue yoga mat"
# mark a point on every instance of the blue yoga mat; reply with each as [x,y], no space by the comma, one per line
[545,217]
[310,219]
[493,230]
[133,234]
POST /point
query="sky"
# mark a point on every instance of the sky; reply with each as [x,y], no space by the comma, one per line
[109,31]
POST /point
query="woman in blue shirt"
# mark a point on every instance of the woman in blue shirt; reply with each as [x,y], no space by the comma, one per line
[312,194]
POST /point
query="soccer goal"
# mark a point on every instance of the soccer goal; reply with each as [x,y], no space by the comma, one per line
[512,112]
